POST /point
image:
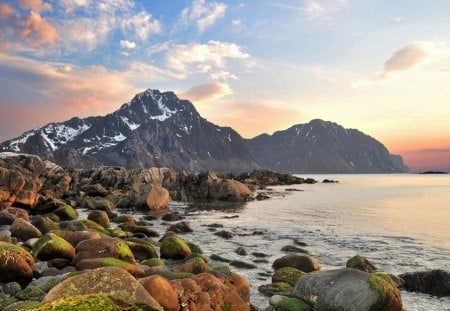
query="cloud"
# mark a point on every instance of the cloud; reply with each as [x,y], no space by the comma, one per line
[6,10]
[141,25]
[35,5]
[323,9]
[204,58]
[207,92]
[38,31]
[127,44]
[203,14]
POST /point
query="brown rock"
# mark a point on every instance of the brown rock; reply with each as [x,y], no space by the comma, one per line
[160,289]
[23,230]
[101,248]
[152,197]
[94,263]
[18,212]
[16,264]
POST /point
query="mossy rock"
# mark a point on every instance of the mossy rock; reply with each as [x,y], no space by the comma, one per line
[123,219]
[44,224]
[16,263]
[194,255]
[241,251]
[260,255]
[175,275]
[242,264]
[66,212]
[7,302]
[142,249]
[154,262]
[361,263]
[92,225]
[100,217]
[388,294]
[278,288]
[31,293]
[224,269]
[292,304]
[119,233]
[194,248]
[103,205]
[93,302]
[72,225]
[11,288]
[219,258]
[287,275]
[174,247]
[131,227]
[196,265]
[52,246]
[103,247]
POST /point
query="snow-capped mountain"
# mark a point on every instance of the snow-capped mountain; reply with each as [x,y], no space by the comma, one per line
[323,147]
[153,129]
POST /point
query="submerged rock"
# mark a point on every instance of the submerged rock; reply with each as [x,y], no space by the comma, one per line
[433,282]
[348,289]
[301,262]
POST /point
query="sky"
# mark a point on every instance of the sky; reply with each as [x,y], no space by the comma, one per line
[379,66]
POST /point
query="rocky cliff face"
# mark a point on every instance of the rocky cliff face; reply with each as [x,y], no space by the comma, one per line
[323,147]
[154,129]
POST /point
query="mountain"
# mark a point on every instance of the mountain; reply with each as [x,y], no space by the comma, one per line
[323,147]
[153,129]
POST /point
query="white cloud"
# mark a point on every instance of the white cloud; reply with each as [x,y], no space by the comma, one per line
[322,9]
[203,14]
[127,44]
[203,58]
[141,25]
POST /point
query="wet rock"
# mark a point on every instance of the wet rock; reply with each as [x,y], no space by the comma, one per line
[66,212]
[52,246]
[174,247]
[282,303]
[142,249]
[242,264]
[93,263]
[287,275]
[23,230]
[348,289]
[109,281]
[154,262]
[329,181]
[433,282]
[262,196]
[294,249]
[16,263]
[100,217]
[175,216]
[241,251]
[301,262]
[219,258]
[181,227]
[103,205]
[134,228]
[360,263]
[224,234]
[194,265]
[278,288]
[44,224]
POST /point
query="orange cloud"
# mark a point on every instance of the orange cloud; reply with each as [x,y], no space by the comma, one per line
[38,31]
[35,5]
[250,119]
[6,10]
[207,92]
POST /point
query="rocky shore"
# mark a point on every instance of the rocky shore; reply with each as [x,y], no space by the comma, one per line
[69,241]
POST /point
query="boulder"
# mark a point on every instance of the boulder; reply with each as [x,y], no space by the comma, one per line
[152,197]
[287,275]
[142,249]
[93,263]
[174,247]
[180,227]
[51,246]
[91,302]
[18,212]
[277,288]
[66,212]
[23,230]
[433,282]
[113,282]
[16,264]
[100,217]
[360,263]
[301,262]
[103,247]
[44,224]
[75,237]
[103,205]
[348,289]
[228,190]
[282,303]
[160,289]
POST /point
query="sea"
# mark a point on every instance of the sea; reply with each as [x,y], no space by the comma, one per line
[401,222]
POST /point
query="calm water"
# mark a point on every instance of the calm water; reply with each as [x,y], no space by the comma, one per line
[400,222]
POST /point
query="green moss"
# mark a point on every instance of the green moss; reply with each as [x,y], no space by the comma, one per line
[66,212]
[114,262]
[52,246]
[123,250]
[287,275]
[225,269]
[174,247]
[388,294]
[118,233]
[25,305]
[226,306]
[81,303]
[131,227]
[104,205]
[7,301]
[292,304]
[96,227]
[194,248]
[31,293]
[154,262]
[278,288]
[175,276]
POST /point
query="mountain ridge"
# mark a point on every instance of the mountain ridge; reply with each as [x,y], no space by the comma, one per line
[157,129]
